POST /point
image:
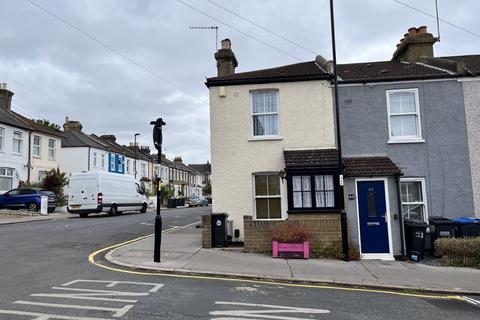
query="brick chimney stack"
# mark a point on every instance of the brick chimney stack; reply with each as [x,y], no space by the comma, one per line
[178,160]
[5,97]
[415,44]
[109,137]
[72,125]
[226,60]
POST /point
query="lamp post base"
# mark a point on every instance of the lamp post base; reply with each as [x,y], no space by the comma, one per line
[158,238]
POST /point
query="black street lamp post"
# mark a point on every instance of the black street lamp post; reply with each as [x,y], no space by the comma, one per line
[135,160]
[157,141]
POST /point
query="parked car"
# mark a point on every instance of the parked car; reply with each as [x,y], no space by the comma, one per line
[27,198]
[203,201]
[94,192]
[194,201]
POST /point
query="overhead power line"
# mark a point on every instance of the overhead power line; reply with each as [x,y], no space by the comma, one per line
[238,30]
[262,27]
[435,17]
[118,53]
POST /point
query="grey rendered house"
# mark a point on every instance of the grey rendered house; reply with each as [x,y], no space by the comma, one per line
[411,110]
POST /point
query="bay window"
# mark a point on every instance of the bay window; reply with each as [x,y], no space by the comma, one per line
[6,179]
[312,191]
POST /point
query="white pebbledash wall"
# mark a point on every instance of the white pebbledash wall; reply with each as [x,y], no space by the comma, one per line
[11,160]
[306,120]
[471,91]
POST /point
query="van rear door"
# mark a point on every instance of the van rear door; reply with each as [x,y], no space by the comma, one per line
[83,191]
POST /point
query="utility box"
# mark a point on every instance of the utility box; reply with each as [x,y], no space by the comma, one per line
[415,233]
[44,205]
[219,230]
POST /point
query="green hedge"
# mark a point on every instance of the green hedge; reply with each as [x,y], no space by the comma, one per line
[459,252]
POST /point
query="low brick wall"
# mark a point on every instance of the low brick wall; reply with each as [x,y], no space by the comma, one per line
[325,227]
[207,231]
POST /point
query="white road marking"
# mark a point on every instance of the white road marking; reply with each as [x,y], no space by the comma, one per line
[147,224]
[471,301]
[90,294]
[263,314]
[47,316]
[109,284]
[118,312]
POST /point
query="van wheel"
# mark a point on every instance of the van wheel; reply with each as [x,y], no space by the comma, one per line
[83,214]
[113,211]
[32,206]
[144,208]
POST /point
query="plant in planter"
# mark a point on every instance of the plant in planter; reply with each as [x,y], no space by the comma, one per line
[291,240]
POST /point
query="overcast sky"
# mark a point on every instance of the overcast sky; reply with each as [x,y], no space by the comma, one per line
[56,71]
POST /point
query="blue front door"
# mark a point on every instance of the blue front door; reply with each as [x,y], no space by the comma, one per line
[372,210]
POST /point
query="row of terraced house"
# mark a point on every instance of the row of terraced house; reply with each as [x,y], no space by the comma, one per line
[28,150]
[410,146]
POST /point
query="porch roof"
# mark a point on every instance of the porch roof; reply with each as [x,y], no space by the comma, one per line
[308,159]
[370,166]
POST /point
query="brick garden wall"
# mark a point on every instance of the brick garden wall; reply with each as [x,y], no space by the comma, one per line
[325,227]
[207,231]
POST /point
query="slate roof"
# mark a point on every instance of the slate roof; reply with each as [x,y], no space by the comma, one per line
[326,159]
[303,71]
[74,138]
[369,167]
[205,168]
[387,71]
[14,119]
[377,71]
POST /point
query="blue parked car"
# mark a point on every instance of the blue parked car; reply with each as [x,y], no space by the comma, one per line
[27,198]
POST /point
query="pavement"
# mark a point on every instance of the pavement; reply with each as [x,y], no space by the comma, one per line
[182,254]
[16,216]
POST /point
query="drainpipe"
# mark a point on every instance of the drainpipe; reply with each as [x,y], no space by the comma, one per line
[400,217]
[29,163]
[88,167]
[343,215]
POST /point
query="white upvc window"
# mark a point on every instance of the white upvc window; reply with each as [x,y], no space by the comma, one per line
[51,149]
[143,170]
[2,139]
[264,113]
[414,198]
[404,123]
[127,168]
[17,142]
[268,199]
[112,162]
[37,142]
[6,178]
[42,175]
[94,159]
[103,161]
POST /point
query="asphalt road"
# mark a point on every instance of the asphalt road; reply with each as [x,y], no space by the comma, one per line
[45,275]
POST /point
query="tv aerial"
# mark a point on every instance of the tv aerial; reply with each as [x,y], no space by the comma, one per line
[208,28]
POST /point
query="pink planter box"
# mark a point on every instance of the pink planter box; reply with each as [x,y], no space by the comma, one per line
[283,249]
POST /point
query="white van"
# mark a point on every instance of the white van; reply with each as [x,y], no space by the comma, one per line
[93,192]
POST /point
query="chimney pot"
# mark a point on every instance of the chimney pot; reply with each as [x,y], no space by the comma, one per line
[226,44]
[422,30]
[109,138]
[72,125]
[412,31]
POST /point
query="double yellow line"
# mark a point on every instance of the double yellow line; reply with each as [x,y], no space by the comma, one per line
[91,259]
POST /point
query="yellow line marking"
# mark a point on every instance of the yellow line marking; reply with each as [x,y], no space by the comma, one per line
[91,259]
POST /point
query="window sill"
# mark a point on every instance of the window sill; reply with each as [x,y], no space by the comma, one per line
[17,154]
[52,159]
[327,210]
[265,138]
[406,141]
[279,219]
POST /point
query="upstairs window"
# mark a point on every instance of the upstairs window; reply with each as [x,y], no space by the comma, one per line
[128,166]
[265,112]
[51,149]
[17,142]
[103,161]
[112,162]
[403,115]
[37,141]
[94,159]
[2,139]
[143,170]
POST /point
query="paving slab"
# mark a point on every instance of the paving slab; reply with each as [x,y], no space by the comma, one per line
[181,253]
